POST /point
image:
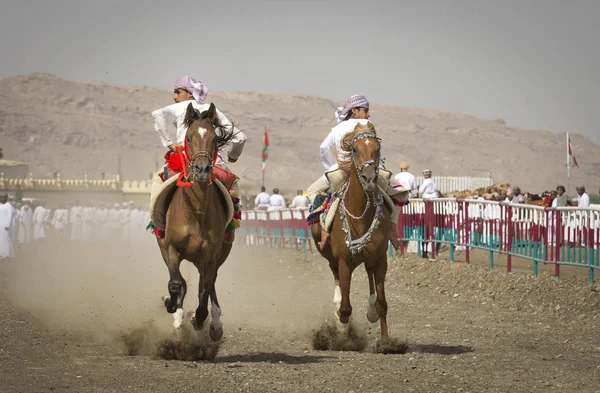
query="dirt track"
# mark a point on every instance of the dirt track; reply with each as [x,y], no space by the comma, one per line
[468,328]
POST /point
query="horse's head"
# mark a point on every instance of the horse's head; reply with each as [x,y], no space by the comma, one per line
[205,135]
[365,149]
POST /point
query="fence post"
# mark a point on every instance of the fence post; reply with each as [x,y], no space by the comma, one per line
[558,233]
[468,234]
[509,236]
[430,222]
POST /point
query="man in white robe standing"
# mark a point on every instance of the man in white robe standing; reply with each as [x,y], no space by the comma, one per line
[76,220]
[14,231]
[26,224]
[87,222]
[428,189]
[261,202]
[125,217]
[136,225]
[39,219]
[101,222]
[276,201]
[60,220]
[407,179]
[114,220]
[6,222]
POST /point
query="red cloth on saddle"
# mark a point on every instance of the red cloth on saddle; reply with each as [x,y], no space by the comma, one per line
[224,176]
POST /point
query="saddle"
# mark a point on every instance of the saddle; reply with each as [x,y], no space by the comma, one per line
[337,178]
[222,180]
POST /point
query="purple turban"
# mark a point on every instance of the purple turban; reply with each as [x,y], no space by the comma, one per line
[196,88]
[356,101]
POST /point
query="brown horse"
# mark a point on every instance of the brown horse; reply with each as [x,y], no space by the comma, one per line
[359,233]
[195,223]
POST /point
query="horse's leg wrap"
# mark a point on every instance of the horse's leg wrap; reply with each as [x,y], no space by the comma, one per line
[175,291]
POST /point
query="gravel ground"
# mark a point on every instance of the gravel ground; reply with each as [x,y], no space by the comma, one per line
[66,310]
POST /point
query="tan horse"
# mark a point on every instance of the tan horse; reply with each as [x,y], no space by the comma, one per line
[359,233]
[196,222]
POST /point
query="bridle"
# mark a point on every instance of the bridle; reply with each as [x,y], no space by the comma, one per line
[368,163]
[184,176]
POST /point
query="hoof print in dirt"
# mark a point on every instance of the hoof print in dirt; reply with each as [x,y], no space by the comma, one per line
[187,345]
[329,338]
[390,346]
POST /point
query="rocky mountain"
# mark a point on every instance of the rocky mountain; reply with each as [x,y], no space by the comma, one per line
[75,128]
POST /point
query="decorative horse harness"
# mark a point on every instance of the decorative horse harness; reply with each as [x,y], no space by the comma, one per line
[356,245]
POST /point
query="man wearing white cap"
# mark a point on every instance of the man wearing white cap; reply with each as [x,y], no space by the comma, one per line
[407,179]
[428,189]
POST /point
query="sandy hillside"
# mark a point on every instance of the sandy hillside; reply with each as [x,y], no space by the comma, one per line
[74,127]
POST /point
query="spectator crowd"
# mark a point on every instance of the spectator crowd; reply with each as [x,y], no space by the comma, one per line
[24,222]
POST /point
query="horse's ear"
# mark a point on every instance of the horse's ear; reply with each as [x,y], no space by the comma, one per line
[191,115]
[212,112]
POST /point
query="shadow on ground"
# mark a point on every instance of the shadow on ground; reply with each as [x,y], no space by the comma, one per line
[271,357]
[439,349]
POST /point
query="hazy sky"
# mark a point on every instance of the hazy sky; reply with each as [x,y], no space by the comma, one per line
[535,64]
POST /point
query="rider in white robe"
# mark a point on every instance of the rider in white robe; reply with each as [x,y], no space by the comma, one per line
[6,222]
[189,91]
[26,224]
[354,111]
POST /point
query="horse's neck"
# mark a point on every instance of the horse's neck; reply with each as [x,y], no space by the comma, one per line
[356,200]
[197,198]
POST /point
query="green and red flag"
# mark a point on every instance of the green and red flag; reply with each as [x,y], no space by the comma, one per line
[571,151]
[265,150]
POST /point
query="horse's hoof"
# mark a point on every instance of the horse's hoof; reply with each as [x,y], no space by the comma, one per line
[372,315]
[195,323]
[215,333]
[166,300]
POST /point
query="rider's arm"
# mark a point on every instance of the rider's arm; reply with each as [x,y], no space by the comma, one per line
[162,118]
[327,157]
[239,138]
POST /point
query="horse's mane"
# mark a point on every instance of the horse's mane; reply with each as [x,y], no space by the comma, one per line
[224,134]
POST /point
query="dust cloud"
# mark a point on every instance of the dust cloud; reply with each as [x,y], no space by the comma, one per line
[111,292]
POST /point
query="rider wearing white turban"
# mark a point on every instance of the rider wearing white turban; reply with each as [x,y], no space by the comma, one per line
[354,111]
[190,91]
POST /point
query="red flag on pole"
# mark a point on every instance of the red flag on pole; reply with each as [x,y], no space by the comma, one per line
[265,150]
[571,153]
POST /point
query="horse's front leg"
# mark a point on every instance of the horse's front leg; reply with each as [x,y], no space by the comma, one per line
[177,285]
[372,315]
[381,304]
[207,278]
[345,309]
[337,293]
[216,326]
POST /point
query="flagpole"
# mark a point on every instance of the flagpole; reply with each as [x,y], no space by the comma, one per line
[263,174]
[568,157]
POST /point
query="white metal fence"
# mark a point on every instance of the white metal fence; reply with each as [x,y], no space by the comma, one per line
[458,183]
